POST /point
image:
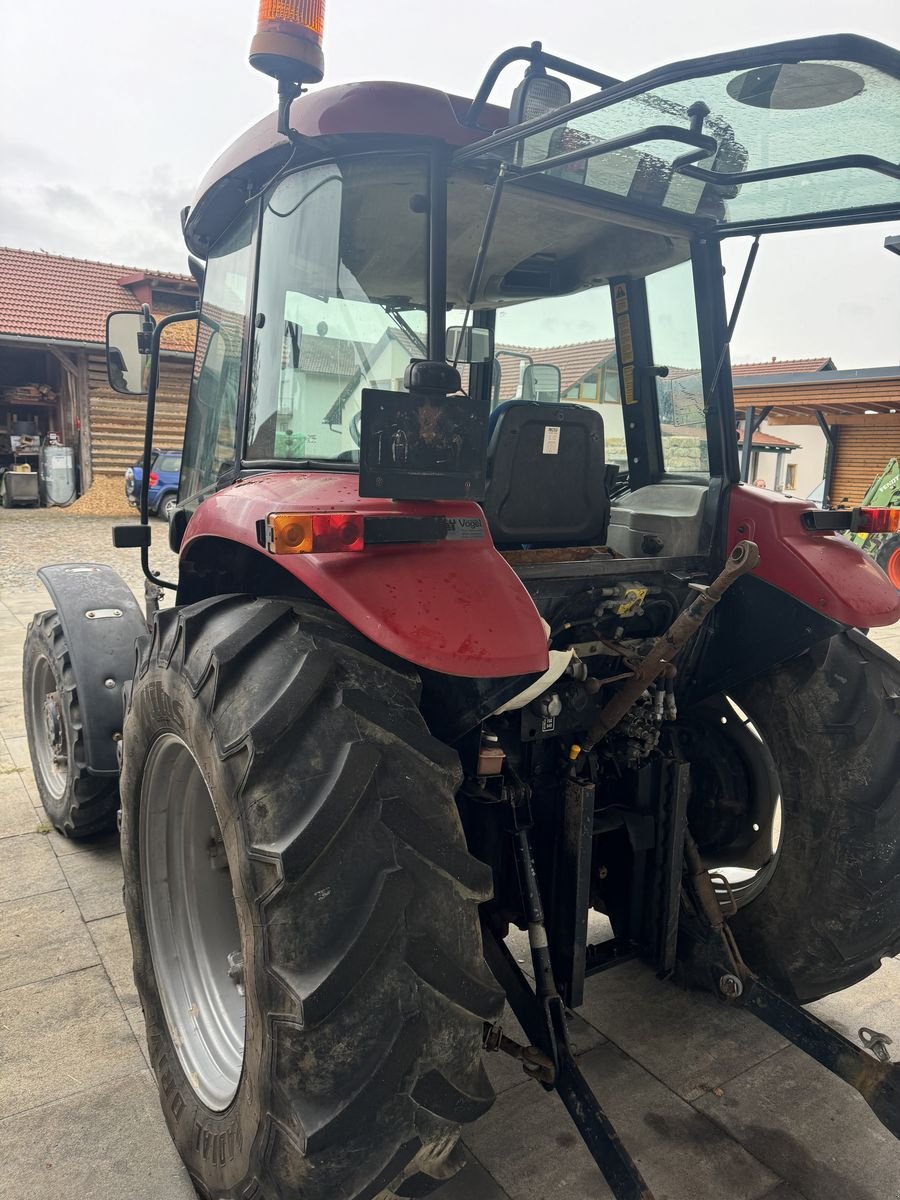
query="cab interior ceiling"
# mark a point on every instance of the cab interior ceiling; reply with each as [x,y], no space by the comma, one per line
[543,243]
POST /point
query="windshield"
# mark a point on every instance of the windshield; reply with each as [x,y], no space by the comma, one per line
[341,302]
[766,114]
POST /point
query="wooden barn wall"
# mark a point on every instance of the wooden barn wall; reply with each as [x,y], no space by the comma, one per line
[861,454]
[116,422]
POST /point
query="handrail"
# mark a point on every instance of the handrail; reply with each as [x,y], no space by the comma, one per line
[704,146]
[865,162]
[533,54]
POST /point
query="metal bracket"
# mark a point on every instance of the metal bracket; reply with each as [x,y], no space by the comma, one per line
[876,1042]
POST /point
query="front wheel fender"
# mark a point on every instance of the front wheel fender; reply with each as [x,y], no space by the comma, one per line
[101,621]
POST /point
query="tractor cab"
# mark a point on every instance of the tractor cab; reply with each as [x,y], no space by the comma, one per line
[570,259]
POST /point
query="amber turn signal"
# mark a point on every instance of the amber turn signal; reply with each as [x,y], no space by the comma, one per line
[314,533]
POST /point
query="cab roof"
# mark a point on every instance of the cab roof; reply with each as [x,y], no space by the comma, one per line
[788,135]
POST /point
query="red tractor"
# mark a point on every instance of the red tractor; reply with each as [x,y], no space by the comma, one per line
[474,625]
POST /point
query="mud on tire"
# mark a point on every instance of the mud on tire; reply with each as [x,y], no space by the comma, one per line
[79,804]
[831,910]
[357,901]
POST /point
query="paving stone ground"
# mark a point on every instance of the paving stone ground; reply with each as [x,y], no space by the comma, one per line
[710,1101]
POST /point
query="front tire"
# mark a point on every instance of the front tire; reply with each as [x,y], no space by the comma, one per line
[78,804]
[355,903]
[830,910]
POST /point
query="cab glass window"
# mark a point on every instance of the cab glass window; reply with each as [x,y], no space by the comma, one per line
[575,334]
[209,439]
[340,303]
[676,346]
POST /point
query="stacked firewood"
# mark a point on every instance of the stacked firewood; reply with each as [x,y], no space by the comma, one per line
[29,393]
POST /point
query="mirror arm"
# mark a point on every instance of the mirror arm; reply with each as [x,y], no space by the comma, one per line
[144,506]
[145,336]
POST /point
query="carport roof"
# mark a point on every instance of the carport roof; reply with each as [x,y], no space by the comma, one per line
[57,299]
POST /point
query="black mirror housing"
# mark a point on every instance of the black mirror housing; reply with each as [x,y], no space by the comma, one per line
[128,351]
[542,381]
[469,345]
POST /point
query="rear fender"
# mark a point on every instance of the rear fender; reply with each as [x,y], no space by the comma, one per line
[821,569]
[455,607]
[101,621]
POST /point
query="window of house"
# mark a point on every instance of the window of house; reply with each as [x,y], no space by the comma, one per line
[790,477]
[600,385]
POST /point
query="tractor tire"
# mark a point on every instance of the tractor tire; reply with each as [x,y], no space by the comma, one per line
[78,804]
[888,558]
[830,910]
[289,826]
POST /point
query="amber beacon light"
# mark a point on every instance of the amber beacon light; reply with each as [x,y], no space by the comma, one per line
[288,40]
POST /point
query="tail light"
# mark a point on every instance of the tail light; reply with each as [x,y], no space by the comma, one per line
[314,533]
[288,40]
[154,479]
[875,520]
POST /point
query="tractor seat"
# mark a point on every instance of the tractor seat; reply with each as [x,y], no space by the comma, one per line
[546,478]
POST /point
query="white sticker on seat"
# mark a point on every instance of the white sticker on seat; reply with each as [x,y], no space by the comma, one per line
[551,439]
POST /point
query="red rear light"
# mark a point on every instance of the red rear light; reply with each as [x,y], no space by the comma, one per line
[314,533]
[154,479]
[875,520]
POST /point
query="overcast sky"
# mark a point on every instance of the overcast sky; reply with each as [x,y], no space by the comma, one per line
[111,111]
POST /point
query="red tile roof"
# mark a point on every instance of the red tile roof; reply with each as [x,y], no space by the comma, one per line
[67,299]
[575,360]
[783,366]
[763,440]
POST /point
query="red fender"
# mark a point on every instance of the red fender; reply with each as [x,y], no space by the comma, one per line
[453,606]
[822,569]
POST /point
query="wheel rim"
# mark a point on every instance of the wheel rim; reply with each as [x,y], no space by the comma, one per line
[192,921]
[48,729]
[169,508]
[893,568]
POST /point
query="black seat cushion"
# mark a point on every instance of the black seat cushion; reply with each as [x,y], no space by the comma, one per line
[546,476]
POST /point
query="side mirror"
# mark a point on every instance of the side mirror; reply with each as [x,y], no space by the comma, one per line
[127,357]
[469,345]
[541,381]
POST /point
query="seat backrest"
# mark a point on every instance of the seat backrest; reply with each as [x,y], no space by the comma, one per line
[546,476]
